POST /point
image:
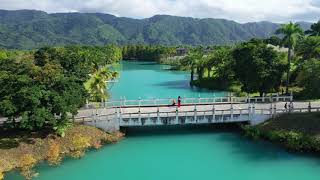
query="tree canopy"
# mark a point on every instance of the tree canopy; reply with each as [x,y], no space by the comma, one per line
[309,78]
[258,67]
[314,30]
[47,86]
[291,34]
[309,47]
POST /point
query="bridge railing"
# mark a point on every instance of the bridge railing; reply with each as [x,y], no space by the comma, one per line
[249,111]
[211,100]
[227,115]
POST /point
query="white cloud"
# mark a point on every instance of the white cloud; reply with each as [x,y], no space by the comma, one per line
[238,10]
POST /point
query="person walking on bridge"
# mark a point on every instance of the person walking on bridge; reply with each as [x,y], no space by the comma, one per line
[286,107]
[179,101]
[291,106]
[173,102]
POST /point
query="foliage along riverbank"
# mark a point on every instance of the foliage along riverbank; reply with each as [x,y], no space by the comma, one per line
[43,88]
[299,132]
[23,150]
[260,66]
[40,91]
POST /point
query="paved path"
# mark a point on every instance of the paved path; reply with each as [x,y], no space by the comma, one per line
[87,114]
[190,108]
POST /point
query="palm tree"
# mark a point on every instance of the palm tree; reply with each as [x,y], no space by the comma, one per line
[192,61]
[309,48]
[291,33]
[314,30]
[97,84]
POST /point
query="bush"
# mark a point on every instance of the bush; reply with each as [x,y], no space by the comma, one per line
[251,132]
[62,127]
[309,78]
[79,144]
[27,163]
[53,154]
[276,136]
[294,140]
[1,173]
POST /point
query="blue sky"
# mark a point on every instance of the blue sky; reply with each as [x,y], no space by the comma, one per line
[238,10]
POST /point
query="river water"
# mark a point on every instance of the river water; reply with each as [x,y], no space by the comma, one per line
[179,153]
[147,80]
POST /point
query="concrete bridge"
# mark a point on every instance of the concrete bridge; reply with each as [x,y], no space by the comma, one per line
[158,112]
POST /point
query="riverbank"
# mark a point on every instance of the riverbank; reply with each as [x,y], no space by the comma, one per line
[23,150]
[296,132]
[211,84]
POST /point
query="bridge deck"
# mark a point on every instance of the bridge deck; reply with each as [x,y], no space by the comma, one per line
[204,113]
[197,113]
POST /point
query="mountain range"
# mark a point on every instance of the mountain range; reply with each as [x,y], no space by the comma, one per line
[28,29]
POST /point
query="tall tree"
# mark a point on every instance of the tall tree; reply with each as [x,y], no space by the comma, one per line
[40,95]
[309,47]
[291,33]
[194,60]
[259,68]
[309,78]
[97,84]
[314,30]
[274,40]
[221,62]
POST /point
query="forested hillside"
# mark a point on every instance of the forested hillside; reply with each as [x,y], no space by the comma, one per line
[27,29]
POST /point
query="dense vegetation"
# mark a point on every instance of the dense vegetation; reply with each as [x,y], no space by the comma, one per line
[40,91]
[22,151]
[297,132]
[258,66]
[28,29]
[147,52]
[42,88]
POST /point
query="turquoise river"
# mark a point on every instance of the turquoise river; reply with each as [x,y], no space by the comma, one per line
[178,153]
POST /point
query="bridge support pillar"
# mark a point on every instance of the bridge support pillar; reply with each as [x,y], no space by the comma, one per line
[213,113]
[158,115]
[271,110]
[231,111]
[177,116]
[309,107]
[195,112]
[109,124]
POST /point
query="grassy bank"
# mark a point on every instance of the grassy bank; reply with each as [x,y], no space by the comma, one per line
[23,150]
[296,132]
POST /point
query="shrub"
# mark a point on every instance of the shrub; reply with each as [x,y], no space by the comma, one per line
[97,145]
[294,140]
[53,154]
[1,173]
[276,136]
[316,143]
[251,131]
[61,128]
[27,163]
[79,144]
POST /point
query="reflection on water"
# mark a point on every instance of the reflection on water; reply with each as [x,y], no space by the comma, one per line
[172,153]
[185,154]
[149,80]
